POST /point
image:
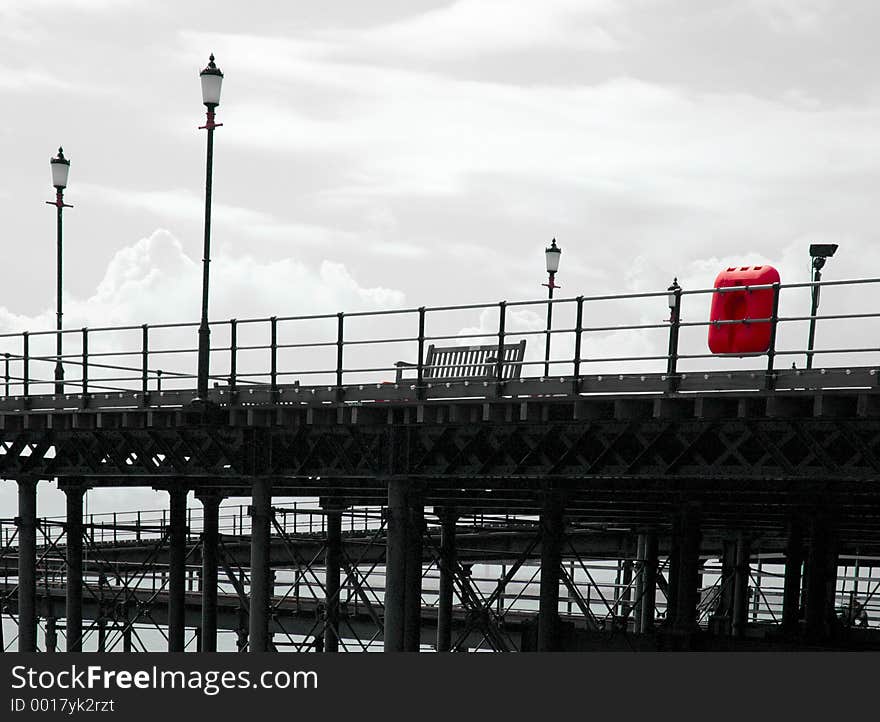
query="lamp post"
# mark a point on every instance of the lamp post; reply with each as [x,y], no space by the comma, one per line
[212,80]
[551,255]
[60,169]
[673,300]
[819,253]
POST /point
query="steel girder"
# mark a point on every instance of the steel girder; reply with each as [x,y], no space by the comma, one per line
[746,448]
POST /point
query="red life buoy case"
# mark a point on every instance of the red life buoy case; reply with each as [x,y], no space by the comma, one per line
[742,338]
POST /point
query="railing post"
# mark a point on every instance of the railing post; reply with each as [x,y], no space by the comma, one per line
[145,360]
[420,367]
[85,367]
[340,345]
[674,326]
[499,362]
[233,353]
[159,381]
[6,371]
[273,371]
[578,330]
[770,384]
[26,359]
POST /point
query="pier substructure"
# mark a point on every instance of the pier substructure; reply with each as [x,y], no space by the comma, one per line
[51,634]
[724,609]
[686,596]
[674,572]
[649,582]
[177,569]
[127,631]
[102,634]
[791,594]
[639,584]
[261,515]
[448,563]
[625,607]
[741,574]
[74,561]
[332,564]
[27,564]
[413,601]
[395,569]
[821,579]
[210,561]
[552,531]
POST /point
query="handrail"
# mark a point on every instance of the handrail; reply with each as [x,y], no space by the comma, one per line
[278,349]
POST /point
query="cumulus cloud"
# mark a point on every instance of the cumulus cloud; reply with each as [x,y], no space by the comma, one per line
[154,281]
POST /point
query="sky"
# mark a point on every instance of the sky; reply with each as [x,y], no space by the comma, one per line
[406,153]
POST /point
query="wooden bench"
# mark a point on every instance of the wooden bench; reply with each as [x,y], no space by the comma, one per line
[468,363]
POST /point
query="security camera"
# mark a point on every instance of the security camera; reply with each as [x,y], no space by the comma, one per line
[822,250]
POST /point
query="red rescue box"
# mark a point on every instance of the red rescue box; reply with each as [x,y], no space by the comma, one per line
[742,338]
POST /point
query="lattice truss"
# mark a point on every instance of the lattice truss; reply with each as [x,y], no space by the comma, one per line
[759,447]
[125,596]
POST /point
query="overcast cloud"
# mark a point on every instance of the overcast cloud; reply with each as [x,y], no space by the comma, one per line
[412,152]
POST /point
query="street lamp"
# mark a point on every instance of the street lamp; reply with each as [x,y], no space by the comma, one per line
[212,80]
[673,300]
[551,256]
[819,253]
[60,169]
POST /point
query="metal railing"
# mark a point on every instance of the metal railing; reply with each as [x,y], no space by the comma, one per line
[353,356]
[297,518]
[596,590]
[597,593]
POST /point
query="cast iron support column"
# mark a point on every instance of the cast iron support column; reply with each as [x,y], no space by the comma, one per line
[27,564]
[649,583]
[674,568]
[51,635]
[689,572]
[821,579]
[412,616]
[395,566]
[101,618]
[74,602]
[332,563]
[241,631]
[177,569]
[261,512]
[551,559]
[126,637]
[741,586]
[728,582]
[626,596]
[210,562]
[639,585]
[102,634]
[448,518]
[791,593]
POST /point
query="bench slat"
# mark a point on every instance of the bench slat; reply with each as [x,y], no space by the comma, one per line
[463,363]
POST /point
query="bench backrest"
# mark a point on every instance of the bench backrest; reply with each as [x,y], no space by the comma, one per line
[458,363]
